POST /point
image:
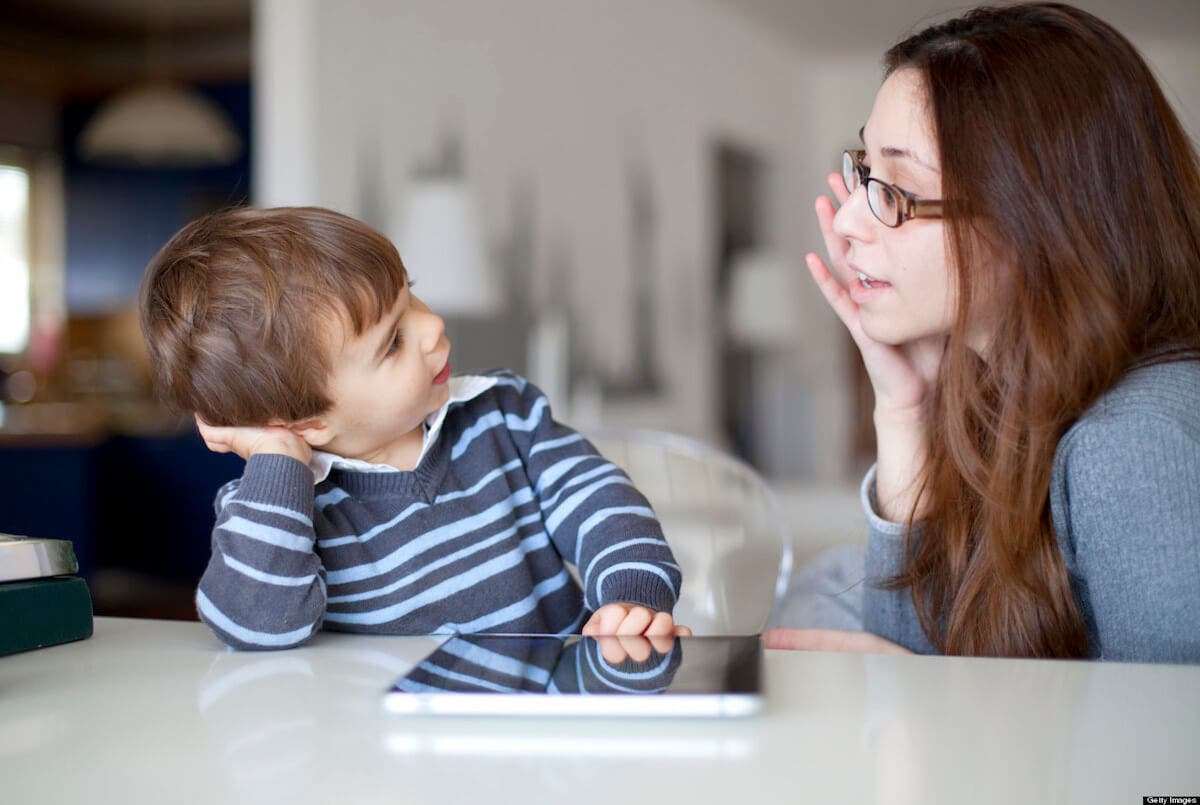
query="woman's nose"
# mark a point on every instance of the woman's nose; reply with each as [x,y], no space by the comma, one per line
[854,220]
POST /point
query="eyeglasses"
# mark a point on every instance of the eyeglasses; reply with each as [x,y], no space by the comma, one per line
[891,205]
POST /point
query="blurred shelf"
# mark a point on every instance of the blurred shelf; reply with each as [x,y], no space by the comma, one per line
[52,424]
[57,424]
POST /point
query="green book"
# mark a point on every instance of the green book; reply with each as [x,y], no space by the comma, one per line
[43,612]
[30,558]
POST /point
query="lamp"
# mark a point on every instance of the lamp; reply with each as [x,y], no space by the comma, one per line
[437,233]
[763,295]
[160,125]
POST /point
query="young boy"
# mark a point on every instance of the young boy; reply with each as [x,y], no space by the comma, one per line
[380,494]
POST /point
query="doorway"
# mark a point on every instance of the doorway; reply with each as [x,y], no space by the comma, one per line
[740,175]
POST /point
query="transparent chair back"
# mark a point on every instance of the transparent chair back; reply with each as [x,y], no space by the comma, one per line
[721,520]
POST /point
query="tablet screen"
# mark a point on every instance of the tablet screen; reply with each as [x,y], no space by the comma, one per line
[546,675]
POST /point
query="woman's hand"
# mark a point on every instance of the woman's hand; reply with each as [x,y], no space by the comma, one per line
[830,640]
[902,376]
[248,441]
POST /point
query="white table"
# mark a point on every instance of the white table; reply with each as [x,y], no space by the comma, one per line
[159,712]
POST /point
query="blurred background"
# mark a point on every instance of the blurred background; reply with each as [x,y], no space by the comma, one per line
[613,198]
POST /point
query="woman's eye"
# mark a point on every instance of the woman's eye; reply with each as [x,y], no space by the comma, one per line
[395,345]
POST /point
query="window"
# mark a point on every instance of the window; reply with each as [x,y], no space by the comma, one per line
[14,259]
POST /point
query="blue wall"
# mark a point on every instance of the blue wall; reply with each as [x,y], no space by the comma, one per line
[117,218]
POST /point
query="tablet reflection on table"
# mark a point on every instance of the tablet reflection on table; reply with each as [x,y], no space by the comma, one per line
[547,665]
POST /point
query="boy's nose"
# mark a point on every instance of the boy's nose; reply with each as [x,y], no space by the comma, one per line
[433,329]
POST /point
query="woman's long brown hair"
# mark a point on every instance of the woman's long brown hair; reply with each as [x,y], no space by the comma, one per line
[1074,227]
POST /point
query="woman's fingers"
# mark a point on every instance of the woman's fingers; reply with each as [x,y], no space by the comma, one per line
[834,280]
[838,185]
[833,291]
[830,640]
[903,372]
[835,246]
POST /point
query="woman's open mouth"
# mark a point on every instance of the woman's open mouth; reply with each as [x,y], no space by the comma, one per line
[869,282]
[864,287]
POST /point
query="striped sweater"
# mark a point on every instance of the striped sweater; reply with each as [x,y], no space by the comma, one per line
[474,539]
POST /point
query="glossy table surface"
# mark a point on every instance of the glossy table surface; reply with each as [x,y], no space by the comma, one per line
[158,711]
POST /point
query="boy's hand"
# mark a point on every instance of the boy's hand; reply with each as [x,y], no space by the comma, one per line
[632,619]
[249,441]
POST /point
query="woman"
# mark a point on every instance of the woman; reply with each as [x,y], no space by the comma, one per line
[1019,245]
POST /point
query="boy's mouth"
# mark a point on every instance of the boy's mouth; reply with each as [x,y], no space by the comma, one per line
[443,375]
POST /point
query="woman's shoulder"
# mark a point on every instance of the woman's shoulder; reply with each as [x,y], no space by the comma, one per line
[1136,445]
[1162,395]
[1167,389]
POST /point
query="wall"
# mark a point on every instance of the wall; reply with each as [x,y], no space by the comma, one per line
[560,102]
[556,103]
[1176,62]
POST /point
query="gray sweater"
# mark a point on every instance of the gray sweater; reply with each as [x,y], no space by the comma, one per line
[1125,501]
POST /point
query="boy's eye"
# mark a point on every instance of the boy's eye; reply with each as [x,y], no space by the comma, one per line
[396,342]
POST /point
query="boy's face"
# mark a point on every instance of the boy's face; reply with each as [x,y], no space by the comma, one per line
[384,383]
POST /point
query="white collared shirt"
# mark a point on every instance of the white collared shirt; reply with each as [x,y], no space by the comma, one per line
[462,388]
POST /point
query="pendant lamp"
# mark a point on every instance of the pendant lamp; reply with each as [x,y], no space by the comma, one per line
[161,125]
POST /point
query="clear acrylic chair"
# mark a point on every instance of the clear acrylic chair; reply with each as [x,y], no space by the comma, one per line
[722,521]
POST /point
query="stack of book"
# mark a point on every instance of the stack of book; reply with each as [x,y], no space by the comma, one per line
[42,601]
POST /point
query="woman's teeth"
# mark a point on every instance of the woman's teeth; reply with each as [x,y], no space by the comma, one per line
[865,280]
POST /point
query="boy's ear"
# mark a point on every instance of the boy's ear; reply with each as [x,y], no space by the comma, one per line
[314,431]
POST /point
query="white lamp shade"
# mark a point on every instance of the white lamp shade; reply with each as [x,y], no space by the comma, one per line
[763,300]
[160,125]
[439,242]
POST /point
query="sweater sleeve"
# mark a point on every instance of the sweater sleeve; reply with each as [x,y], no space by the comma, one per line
[264,587]
[1127,514]
[595,516]
[890,614]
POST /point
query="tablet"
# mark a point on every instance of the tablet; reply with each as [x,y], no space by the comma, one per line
[538,675]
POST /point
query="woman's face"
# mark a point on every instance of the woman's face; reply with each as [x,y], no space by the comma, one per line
[909,292]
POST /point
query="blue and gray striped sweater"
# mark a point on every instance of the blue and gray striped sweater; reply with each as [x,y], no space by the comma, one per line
[473,540]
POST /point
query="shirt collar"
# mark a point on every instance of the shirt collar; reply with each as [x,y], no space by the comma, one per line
[462,388]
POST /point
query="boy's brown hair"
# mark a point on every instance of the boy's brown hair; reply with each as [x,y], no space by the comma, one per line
[237,309]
